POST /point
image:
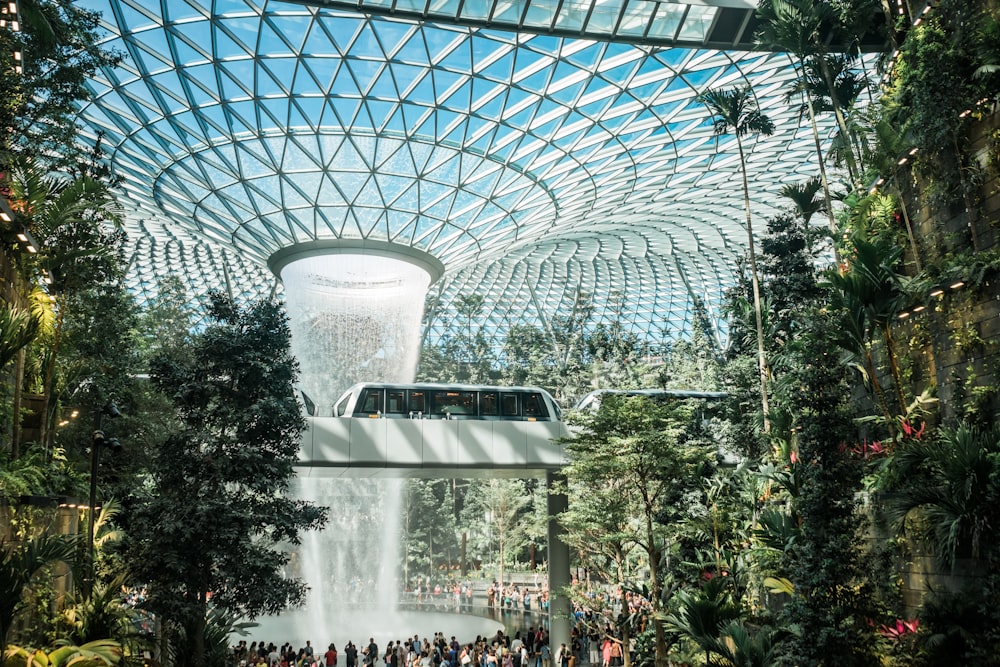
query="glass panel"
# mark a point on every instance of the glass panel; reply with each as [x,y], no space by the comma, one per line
[341,407]
[508,12]
[540,13]
[533,406]
[604,16]
[697,23]
[395,401]
[508,405]
[371,401]
[488,404]
[454,402]
[572,15]
[636,18]
[417,402]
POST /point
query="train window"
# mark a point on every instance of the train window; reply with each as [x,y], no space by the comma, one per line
[508,405]
[454,402]
[488,404]
[418,401]
[395,401]
[370,402]
[533,407]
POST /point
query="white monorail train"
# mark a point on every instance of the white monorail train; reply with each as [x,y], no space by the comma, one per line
[411,429]
[446,401]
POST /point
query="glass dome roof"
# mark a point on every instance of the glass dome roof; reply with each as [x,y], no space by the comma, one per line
[531,166]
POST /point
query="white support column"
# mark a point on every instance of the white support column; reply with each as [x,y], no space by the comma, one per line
[559,607]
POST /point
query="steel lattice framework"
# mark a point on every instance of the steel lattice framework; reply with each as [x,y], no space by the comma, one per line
[532,166]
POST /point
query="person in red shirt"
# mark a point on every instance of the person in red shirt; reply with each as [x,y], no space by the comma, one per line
[330,657]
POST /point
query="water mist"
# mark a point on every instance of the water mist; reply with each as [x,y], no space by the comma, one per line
[355,316]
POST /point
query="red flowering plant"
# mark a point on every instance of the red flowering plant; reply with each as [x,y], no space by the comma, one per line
[869,450]
[910,432]
[900,635]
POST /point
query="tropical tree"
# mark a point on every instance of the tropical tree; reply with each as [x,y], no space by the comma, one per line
[867,298]
[793,27]
[429,528]
[700,615]
[833,598]
[209,523]
[653,455]
[740,645]
[76,224]
[19,563]
[503,505]
[803,28]
[944,488]
[464,356]
[736,110]
[59,49]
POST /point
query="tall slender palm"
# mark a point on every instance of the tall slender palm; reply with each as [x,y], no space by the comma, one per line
[736,110]
[784,26]
[841,72]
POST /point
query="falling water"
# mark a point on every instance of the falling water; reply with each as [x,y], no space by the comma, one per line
[353,318]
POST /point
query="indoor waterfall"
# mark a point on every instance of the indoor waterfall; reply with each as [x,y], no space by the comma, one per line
[353,318]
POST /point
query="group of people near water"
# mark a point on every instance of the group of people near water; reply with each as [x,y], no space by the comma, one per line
[529,648]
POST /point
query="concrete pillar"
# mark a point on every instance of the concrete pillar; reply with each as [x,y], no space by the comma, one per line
[559,606]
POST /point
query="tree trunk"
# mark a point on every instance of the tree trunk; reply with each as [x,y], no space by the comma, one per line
[15,441]
[47,388]
[761,358]
[906,220]
[820,160]
[852,165]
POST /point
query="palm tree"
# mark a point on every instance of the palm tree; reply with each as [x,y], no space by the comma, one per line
[890,144]
[18,565]
[736,110]
[946,481]
[786,27]
[802,27]
[870,295]
[75,220]
[739,646]
[702,615]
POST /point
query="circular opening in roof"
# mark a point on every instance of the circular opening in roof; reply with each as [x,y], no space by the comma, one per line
[354,313]
[334,253]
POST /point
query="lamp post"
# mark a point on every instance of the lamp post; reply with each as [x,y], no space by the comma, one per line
[99,440]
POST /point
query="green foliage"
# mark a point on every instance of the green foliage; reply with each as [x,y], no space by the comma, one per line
[933,88]
[653,457]
[61,49]
[17,328]
[214,513]
[572,355]
[19,563]
[429,529]
[700,615]
[959,627]
[23,476]
[100,616]
[99,653]
[948,488]
[833,595]
[465,356]
[503,505]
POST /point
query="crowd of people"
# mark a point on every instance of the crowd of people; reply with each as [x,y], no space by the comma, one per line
[529,648]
